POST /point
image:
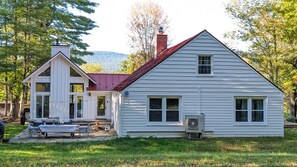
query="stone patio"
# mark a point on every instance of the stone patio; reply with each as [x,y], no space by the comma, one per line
[94,135]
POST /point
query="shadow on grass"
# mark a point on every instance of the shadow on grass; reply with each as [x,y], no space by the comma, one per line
[12,130]
[155,152]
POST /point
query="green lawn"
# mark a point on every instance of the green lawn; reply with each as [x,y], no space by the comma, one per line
[13,129]
[157,152]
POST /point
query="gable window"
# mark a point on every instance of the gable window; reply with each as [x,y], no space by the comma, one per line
[204,65]
[73,73]
[46,72]
[43,87]
[249,110]
[77,87]
[164,110]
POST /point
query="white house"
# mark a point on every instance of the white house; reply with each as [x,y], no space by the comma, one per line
[198,75]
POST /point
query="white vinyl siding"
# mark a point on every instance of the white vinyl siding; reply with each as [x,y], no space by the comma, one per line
[213,96]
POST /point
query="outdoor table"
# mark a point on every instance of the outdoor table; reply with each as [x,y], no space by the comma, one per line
[59,129]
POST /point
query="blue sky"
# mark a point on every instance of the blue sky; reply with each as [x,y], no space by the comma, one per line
[187,18]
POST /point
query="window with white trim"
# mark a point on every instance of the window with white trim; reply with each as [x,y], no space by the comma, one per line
[42,99]
[249,110]
[204,65]
[164,109]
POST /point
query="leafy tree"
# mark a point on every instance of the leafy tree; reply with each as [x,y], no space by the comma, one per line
[92,68]
[288,12]
[271,28]
[144,22]
[132,63]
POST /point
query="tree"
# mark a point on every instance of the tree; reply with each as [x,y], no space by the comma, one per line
[269,26]
[92,68]
[132,63]
[5,42]
[28,28]
[288,12]
[144,22]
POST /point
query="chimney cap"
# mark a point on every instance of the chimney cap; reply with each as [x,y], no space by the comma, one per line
[57,42]
[161,30]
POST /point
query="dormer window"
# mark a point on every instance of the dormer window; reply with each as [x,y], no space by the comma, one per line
[205,65]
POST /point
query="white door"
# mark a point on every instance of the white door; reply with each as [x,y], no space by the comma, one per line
[101,106]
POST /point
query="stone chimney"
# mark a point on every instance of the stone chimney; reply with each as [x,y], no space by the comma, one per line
[161,41]
[65,49]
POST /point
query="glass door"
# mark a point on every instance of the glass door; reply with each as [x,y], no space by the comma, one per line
[42,106]
[75,106]
[101,106]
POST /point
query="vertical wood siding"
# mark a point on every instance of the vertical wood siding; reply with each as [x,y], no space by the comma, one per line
[59,90]
[177,76]
[59,98]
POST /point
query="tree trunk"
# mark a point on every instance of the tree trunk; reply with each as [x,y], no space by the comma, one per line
[294,112]
[6,71]
[6,94]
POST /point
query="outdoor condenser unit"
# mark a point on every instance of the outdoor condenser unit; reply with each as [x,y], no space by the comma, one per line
[195,124]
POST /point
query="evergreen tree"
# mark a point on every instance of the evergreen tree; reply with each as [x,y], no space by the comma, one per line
[28,28]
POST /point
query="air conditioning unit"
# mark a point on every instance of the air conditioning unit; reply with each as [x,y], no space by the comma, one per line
[195,124]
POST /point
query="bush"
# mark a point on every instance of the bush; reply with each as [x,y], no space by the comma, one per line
[291,119]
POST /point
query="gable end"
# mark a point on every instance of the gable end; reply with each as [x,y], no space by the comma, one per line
[244,61]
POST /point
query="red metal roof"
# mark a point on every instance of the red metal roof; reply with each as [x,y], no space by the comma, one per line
[105,82]
[151,64]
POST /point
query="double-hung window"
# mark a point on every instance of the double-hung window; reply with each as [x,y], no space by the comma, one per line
[241,110]
[204,65]
[250,110]
[164,110]
[155,111]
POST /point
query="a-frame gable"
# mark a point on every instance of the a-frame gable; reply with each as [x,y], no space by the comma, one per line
[246,63]
[143,70]
[47,64]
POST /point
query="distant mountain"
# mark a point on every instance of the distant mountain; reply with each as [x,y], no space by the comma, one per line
[111,61]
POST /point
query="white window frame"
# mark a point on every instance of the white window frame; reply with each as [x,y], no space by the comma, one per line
[164,108]
[211,65]
[75,105]
[42,94]
[249,108]
[76,94]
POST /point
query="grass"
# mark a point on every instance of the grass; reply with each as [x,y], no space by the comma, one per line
[13,129]
[262,151]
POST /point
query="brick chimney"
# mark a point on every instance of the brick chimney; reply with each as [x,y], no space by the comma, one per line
[65,49]
[161,41]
